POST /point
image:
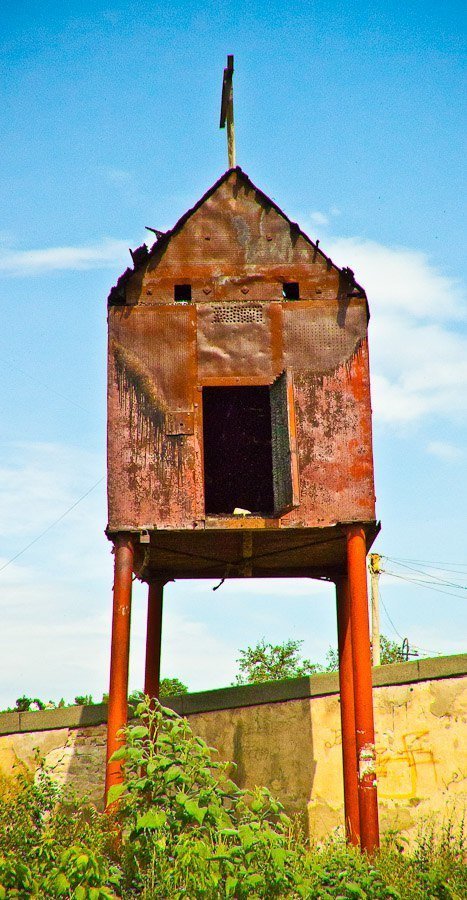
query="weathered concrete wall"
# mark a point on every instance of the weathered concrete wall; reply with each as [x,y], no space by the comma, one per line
[286,735]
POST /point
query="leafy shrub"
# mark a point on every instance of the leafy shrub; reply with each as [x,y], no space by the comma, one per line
[52,845]
[188,830]
[181,828]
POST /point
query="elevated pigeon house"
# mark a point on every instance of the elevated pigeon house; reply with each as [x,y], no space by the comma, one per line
[238,396]
[239,438]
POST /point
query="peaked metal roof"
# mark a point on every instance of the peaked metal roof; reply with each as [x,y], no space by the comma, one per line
[141,254]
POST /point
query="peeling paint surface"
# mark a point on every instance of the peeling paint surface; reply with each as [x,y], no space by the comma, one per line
[236,250]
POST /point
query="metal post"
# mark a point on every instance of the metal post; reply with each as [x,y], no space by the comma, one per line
[119,656]
[153,638]
[363,692]
[375,627]
[349,743]
[231,130]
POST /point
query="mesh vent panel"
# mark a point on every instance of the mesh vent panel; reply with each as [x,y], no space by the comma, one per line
[233,313]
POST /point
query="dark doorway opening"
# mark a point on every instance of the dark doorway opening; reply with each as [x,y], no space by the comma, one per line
[238,467]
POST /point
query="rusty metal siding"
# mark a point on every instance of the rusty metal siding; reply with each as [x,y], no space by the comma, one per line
[236,250]
[236,246]
[152,371]
[318,337]
[234,339]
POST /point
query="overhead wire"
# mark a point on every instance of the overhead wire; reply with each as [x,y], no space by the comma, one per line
[423,650]
[52,525]
[428,574]
[46,387]
[429,564]
[389,617]
[433,583]
[420,583]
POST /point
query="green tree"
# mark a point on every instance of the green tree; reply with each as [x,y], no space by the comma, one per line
[172,687]
[169,687]
[273,662]
[391,652]
[24,704]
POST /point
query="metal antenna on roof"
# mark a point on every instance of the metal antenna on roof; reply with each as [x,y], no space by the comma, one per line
[227,110]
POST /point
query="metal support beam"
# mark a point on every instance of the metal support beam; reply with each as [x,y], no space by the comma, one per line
[120,655]
[346,686]
[153,638]
[363,690]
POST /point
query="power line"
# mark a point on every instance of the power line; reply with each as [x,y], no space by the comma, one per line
[421,583]
[428,575]
[389,617]
[415,646]
[47,387]
[431,580]
[430,564]
[39,536]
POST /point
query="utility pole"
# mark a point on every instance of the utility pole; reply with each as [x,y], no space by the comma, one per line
[227,110]
[374,567]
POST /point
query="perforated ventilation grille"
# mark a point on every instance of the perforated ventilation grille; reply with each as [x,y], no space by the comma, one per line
[233,314]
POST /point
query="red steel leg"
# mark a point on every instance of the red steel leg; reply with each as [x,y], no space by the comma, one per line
[153,638]
[349,743]
[119,656]
[363,690]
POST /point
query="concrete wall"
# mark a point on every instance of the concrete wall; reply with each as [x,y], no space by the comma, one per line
[286,735]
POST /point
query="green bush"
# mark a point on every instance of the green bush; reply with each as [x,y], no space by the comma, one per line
[181,828]
[189,831]
[53,845]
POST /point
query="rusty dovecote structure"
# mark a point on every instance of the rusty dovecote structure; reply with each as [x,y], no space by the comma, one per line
[239,436]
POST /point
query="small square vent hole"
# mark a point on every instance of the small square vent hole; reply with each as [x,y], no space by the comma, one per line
[291,290]
[182,293]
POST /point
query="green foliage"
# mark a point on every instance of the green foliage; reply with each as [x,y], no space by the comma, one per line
[172,687]
[391,652]
[182,829]
[52,845]
[188,830]
[273,662]
[168,687]
[24,704]
[84,700]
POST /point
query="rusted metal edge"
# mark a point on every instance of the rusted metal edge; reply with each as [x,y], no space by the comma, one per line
[140,256]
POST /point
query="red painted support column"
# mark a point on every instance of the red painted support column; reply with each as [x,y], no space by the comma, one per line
[349,743]
[120,654]
[153,638]
[363,690]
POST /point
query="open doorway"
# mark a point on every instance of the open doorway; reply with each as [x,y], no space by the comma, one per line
[250,457]
[237,450]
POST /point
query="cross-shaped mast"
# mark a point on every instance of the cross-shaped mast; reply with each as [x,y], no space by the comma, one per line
[227,110]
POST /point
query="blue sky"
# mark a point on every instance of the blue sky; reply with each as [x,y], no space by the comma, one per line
[351,117]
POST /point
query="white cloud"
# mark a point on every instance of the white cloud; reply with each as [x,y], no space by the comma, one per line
[418,346]
[318,218]
[444,450]
[38,481]
[107,253]
[399,280]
